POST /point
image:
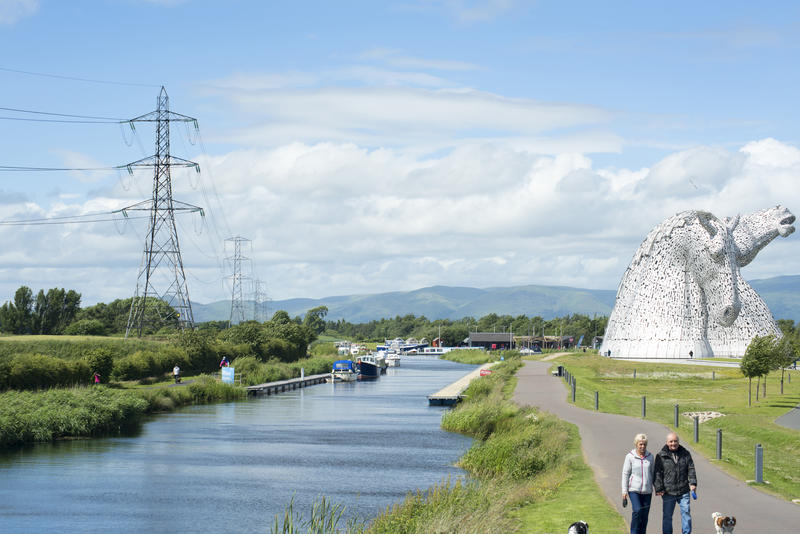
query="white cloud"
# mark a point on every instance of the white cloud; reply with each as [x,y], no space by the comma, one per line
[11,11]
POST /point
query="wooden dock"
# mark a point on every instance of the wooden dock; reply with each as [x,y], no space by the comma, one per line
[451,394]
[270,388]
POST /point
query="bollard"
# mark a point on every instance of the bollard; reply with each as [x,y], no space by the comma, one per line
[644,406]
[596,400]
[719,444]
[713,375]
[696,429]
[573,392]
[676,416]
[759,464]
[634,374]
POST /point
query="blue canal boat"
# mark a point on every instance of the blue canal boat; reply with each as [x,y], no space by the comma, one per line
[368,367]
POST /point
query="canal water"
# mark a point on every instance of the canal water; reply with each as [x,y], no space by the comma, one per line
[231,467]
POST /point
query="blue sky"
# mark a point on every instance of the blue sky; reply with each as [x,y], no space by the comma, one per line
[379,146]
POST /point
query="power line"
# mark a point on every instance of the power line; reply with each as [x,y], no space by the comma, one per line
[18,110]
[73,78]
[62,121]
[8,168]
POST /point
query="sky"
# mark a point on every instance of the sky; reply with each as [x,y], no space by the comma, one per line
[365,147]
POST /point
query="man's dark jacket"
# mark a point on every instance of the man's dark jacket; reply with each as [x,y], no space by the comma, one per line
[671,477]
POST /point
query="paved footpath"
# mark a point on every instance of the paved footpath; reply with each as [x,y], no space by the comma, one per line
[606,438]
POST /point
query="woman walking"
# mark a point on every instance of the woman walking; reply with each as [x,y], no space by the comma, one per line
[637,483]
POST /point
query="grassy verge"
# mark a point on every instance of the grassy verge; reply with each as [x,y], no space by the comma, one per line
[692,388]
[41,416]
[475,357]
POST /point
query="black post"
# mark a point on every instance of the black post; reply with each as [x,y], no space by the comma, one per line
[596,400]
[634,374]
[696,429]
[719,444]
[713,375]
[644,406]
[676,416]
[573,392]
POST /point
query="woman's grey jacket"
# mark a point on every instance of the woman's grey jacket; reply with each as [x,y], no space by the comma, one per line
[637,473]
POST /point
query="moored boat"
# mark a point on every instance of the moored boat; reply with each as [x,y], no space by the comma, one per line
[368,367]
[343,371]
[393,360]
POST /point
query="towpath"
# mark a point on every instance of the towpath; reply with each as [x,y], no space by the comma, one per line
[606,438]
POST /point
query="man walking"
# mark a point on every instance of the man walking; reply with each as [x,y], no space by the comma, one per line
[674,480]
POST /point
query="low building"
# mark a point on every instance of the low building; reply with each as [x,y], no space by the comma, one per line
[491,340]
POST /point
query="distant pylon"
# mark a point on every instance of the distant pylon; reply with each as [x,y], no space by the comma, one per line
[161,274]
[237,304]
[258,301]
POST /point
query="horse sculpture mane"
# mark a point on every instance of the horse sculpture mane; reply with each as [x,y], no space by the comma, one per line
[683,291]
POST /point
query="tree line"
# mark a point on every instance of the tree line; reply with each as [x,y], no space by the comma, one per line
[453,332]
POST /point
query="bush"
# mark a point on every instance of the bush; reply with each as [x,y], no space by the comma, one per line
[37,371]
[100,361]
[86,327]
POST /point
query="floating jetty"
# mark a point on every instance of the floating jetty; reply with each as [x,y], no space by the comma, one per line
[451,394]
[270,388]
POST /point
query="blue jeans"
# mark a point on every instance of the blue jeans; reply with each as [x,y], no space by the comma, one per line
[640,503]
[669,502]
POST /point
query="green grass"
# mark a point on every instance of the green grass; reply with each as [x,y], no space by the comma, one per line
[570,493]
[474,356]
[692,388]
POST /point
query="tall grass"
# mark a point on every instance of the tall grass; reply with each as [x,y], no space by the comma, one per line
[325,518]
[255,372]
[41,416]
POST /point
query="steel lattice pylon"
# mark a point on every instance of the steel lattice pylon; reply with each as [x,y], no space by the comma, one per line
[161,275]
[237,304]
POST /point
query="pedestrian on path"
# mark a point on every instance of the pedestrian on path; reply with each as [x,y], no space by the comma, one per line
[675,479]
[637,483]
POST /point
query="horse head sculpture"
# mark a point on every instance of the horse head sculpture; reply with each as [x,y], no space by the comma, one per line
[683,290]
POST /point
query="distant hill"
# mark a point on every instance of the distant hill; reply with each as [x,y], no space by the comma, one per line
[782,295]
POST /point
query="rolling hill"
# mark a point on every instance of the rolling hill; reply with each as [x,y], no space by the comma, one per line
[782,295]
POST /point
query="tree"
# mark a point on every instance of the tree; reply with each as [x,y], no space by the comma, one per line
[786,354]
[55,310]
[281,316]
[17,318]
[756,361]
[315,319]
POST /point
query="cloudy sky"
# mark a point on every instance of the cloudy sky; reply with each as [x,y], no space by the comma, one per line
[367,146]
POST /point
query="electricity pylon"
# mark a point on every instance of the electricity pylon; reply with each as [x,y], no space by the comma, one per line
[161,275]
[258,305]
[237,304]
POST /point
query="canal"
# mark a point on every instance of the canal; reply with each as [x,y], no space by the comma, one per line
[231,467]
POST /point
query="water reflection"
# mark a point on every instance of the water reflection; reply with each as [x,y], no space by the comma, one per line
[231,467]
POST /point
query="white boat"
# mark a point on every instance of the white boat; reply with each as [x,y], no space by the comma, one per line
[343,371]
[393,360]
[380,361]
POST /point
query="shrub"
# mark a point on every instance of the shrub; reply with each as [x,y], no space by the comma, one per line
[86,327]
[36,371]
[100,361]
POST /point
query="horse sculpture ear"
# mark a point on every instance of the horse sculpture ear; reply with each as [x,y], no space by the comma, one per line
[732,223]
[705,220]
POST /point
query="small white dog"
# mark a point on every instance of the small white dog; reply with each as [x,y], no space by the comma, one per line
[579,527]
[723,523]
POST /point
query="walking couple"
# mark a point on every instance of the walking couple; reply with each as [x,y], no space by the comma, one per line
[670,474]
